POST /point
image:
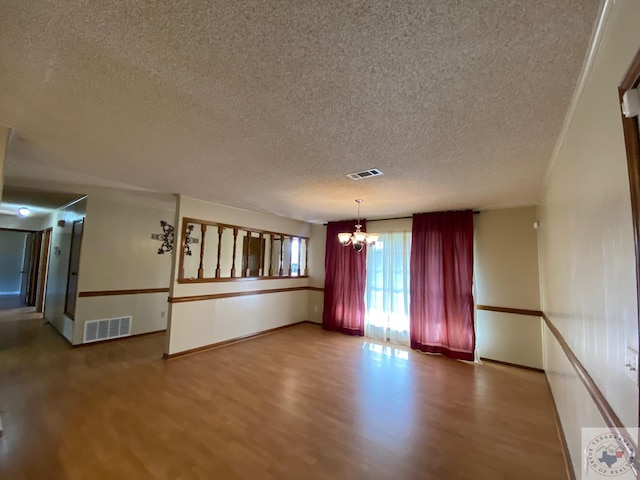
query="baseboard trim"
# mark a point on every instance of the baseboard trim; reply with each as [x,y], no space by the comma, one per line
[231,341]
[514,365]
[604,407]
[568,465]
[109,340]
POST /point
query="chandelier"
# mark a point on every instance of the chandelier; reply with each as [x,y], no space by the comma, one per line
[358,238]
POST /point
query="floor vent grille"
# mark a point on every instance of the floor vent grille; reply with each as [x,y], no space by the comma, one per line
[96,330]
[374,172]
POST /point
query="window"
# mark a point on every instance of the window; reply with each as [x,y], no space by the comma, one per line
[387,290]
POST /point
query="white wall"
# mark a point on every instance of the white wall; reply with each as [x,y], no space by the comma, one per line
[201,323]
[506,275]
[586,242]
[59,266]
[11,259]
[317,249]
[119,254]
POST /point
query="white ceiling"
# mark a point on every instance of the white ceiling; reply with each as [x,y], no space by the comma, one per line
[268,105]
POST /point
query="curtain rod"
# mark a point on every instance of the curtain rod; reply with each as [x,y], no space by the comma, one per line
[475,212]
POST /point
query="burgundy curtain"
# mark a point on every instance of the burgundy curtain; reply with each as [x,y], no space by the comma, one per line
[344,282]
[441,280]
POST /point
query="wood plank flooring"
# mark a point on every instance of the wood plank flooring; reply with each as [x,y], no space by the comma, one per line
[298,404]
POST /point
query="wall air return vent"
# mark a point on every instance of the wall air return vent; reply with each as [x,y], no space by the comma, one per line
[373,172]
[96,330]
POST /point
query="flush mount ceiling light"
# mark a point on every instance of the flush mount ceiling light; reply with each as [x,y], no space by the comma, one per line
[358,238]
[23,212]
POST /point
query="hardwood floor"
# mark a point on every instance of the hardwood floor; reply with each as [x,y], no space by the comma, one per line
[301,403]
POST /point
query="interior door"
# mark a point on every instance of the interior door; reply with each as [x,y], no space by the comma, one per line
[74,264]
[631,128]
[27,262]
[34,266]
[44,268]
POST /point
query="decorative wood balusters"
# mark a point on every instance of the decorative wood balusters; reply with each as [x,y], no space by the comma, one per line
[232,252]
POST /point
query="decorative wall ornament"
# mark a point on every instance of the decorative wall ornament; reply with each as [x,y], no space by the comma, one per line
[167,237]
[188,240]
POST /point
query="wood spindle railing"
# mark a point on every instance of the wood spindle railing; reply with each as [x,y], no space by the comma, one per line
[203,230]
[235,243]
[261,261]
[254,246]
[281,259]
[271,258]
[245,256]
[220,229]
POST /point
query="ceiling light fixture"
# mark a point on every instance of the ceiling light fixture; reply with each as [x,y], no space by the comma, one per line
[358,238]
[23,212]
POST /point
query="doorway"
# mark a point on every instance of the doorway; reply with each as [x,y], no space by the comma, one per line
[387,289]
[43,270]
[24,258]
[631,128]
[13,282]
[27,262]
[74,264]
[31,267]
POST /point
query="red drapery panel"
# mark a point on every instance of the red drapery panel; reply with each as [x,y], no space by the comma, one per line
[441,282]
[344,282]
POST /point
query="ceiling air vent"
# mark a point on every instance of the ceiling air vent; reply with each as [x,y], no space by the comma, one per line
[374,172]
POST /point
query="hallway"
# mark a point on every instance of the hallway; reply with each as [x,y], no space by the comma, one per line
[11,301]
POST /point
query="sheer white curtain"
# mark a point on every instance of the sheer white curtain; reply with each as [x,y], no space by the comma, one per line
[387,291]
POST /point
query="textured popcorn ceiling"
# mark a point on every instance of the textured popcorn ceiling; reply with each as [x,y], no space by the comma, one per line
[267,105]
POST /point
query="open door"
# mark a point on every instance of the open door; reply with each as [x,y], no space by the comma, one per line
[630,86]
[34,266]
[44,269]
[27,266]
[74,264]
